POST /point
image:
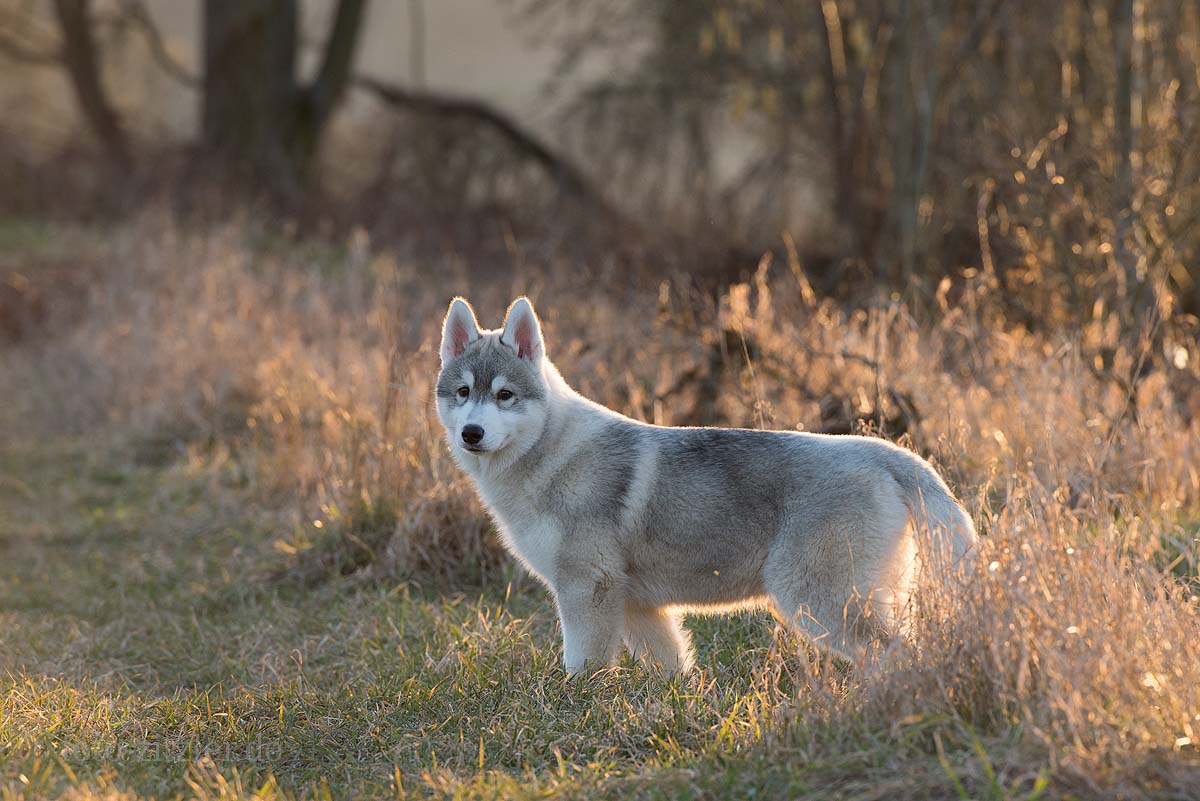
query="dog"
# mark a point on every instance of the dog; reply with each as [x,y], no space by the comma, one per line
[631,525]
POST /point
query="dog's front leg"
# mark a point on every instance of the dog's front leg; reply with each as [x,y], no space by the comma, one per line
[590,608]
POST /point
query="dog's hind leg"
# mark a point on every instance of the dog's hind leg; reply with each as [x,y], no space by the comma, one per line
[657,634]
[849,628]
[836,587]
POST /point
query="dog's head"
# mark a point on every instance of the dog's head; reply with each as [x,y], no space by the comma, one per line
[491,392]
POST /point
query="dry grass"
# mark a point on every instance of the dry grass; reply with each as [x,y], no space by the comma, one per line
[297,378]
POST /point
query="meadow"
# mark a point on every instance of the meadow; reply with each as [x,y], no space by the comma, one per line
[237,562]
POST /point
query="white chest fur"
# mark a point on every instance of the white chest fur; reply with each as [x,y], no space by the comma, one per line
[531,537]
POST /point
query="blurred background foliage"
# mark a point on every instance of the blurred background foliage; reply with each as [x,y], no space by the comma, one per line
[228,234]
[1045,153]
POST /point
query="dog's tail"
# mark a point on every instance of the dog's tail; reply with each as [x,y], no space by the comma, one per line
[945,533]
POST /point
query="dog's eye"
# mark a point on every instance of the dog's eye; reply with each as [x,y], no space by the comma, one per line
[504,395]
[464,392]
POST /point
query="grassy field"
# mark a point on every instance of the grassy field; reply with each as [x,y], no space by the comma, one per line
[236,562]
[143,655]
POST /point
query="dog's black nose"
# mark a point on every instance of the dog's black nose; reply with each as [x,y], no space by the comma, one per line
[472,434]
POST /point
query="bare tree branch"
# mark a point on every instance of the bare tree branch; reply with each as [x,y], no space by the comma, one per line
[136,12]
[16,50]
[985,16]
[569,177]
[16,42]
[340,47]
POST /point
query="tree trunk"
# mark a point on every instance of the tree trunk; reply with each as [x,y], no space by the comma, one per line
[1123,211]
[316,102]
[845,193]
[79,57]
[249,101]
[902,200]
[256,117]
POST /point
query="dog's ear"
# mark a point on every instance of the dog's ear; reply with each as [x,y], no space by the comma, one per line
[459,330]
[522,331]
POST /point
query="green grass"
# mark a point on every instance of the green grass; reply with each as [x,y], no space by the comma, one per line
[173,624]
[35,241]
[142,649]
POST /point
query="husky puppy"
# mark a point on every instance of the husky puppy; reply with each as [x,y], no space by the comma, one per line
[631,525]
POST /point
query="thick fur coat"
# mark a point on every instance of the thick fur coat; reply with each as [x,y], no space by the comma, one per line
[631,525]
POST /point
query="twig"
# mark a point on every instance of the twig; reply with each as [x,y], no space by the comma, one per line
[136,12]
[1149,328]
[841,354]
[18,41]
[16,50]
